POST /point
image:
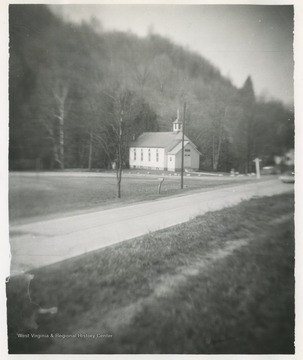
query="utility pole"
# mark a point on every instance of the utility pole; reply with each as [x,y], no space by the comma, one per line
[90,153]
[119,160]
[182,158]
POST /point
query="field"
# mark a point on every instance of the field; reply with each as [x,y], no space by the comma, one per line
[37,195]
[222,283]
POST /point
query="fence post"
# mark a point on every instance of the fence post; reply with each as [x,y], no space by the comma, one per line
[160,184]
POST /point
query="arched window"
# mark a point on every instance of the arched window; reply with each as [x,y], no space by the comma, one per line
[149,156]
[157,155]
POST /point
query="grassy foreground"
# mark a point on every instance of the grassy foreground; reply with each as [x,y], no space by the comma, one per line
[221,283]
[38,195]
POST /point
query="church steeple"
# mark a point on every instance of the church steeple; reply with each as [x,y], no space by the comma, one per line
[177,124]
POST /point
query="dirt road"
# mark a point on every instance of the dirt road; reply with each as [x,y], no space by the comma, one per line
[45,242]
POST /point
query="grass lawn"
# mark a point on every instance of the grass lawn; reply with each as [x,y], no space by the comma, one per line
[221,283]
[34,195]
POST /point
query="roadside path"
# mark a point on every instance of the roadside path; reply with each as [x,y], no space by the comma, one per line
[46,242]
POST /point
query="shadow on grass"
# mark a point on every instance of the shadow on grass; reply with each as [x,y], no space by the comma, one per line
[240,303]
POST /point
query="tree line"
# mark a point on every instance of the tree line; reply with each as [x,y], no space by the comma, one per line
[78,96]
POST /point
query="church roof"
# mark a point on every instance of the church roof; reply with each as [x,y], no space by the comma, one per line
[177,148]
[171,141]
[166,140]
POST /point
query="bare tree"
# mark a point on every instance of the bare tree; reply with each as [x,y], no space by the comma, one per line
[217,137]
[244,132]
[141,74]
[52,99]
[60,94]
[115,131]
[163,71]
[93,109]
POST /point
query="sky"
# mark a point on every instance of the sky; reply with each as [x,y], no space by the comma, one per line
[240,40]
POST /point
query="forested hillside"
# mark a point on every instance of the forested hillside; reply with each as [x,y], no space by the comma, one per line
[76,93]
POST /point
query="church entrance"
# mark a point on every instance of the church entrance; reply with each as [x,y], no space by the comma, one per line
[187,158]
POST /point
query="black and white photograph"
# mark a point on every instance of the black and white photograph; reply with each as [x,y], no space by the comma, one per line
[151,179]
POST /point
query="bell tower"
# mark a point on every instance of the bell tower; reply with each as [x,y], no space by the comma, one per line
[177,124]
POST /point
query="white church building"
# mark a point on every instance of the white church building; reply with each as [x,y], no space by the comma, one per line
[163,151]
